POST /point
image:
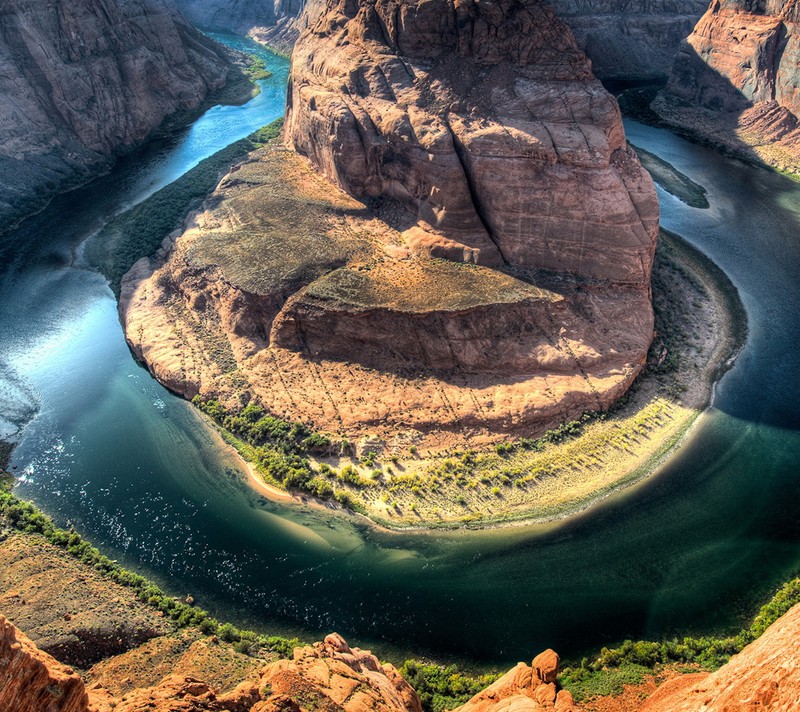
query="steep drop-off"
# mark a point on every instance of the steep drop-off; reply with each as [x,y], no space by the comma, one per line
[273,22]
[492,275]
[736,80]
[81,81]
[630,40]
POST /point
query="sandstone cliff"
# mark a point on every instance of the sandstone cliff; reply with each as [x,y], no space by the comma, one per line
[485,122]
[491,276]
[630,40]
[275,22]
[31,680]
[524,688]
[736,81]
[764,676]
[83,80]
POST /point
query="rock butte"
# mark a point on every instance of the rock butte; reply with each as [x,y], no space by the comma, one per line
[488,276]
[736,80]
[82,80]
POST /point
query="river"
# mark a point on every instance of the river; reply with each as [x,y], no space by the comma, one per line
[139,473]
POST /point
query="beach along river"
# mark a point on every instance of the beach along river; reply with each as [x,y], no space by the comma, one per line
[139,473]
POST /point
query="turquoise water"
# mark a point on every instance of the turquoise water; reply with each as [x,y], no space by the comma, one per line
[136,471]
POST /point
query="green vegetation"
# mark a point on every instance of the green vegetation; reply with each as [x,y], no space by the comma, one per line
[140,231]
[257,69]
[443,688]
[278,451]
[628,663]
[24,517]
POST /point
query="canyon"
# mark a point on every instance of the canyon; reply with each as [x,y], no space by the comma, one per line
[84,81]
[275,23]
[423,127]
[734,82]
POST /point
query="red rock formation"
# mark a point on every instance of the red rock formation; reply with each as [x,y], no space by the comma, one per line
[764,676]
[524,689]
[32,681]
[736,80]
[485,121]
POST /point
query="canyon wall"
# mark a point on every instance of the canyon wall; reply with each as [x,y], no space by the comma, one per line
[473,246]
[735,81]
[81,81]
[630,39]
[486,122]
[273,22]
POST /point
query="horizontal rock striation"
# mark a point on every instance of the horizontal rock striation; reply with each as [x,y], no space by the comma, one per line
[735,81]
[81,81]
[287,288]
[275,23]
[484,120]
[630,40]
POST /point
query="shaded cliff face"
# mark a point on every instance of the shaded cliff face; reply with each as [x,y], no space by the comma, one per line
[484,120]
[80,81]
[741,53]
[273,22]
[628,39]
[735,81]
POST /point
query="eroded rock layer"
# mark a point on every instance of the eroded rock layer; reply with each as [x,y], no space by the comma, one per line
[630,40]
[273,22]
[290,290]
[84,79]
[484,120]
[525,688]
[736,80]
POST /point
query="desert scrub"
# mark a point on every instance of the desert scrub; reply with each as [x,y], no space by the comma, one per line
[140,231]
[443,688]
[24,517]
[279,451]
[607,672]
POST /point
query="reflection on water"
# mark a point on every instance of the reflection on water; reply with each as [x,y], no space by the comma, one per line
[137,471]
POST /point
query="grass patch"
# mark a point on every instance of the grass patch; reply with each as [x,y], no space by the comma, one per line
[140,231]
[606,673]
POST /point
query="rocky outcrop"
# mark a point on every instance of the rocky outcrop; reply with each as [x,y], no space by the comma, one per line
[630,40]
[485,122]
[32,680]
[524,688]
[81,81]
[764,676]
[276,23]
[735,81]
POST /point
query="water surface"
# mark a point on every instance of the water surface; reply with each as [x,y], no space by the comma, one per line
[136,470]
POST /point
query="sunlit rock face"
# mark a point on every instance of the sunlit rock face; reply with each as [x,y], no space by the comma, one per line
[83,80]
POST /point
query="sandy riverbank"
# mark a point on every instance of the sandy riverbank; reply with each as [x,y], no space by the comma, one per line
[702,327]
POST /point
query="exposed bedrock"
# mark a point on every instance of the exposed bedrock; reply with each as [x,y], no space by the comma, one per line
[83,80]
[273,22]
[484,120]
[736,82]
[630,39]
